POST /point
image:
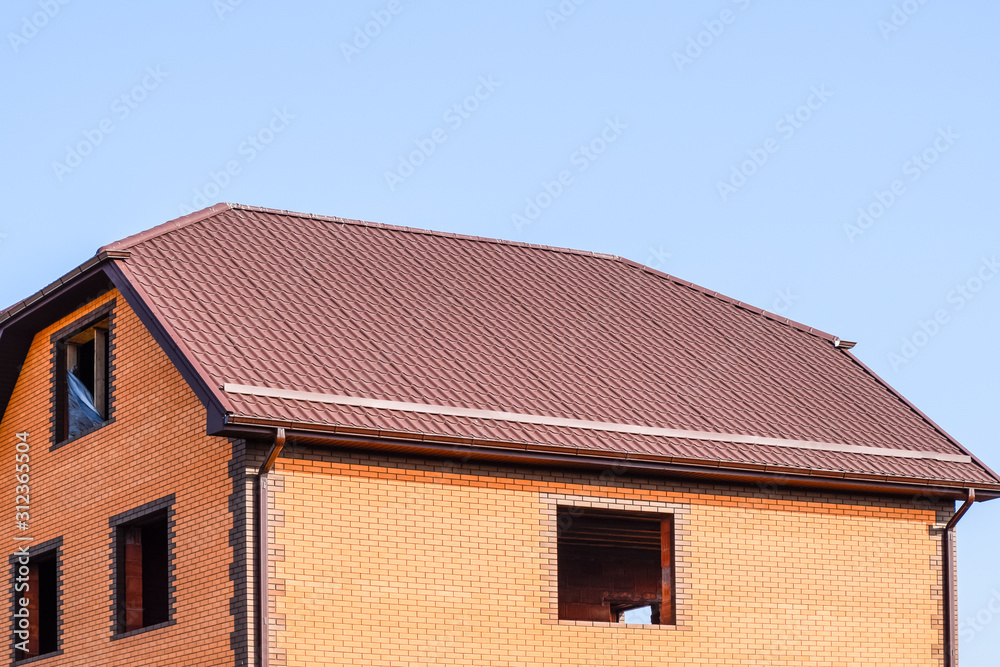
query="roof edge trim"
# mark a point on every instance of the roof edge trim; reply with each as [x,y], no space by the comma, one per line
[766,314]
[164,334]
[520,418]
[25,305]
[921,414]
[168,226]
[510,451]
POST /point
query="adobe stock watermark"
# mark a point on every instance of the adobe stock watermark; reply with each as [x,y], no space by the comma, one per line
[582,158]
[957,299]
[121,108]
[786,127]
[454,117]
[22,519]
[899,17]
[247,152]
[714,29]
[364,34]
[971,626]
[562,12]
[223,7]
[914,168]
[31,25]
[784,299]
[657,258]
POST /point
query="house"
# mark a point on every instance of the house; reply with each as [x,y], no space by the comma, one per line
[470,452]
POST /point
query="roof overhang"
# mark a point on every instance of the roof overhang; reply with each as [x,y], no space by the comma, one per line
[20,322]
[414,444]
[110,269]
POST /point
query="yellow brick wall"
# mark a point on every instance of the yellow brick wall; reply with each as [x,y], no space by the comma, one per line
[383,561]
[155,447]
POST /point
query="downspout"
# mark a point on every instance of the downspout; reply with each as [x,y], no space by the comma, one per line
[262,560]
[948,578]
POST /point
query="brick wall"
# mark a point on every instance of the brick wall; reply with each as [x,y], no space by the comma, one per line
[389,561]
[156,446]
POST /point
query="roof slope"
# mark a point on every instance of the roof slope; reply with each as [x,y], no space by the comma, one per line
[583,351]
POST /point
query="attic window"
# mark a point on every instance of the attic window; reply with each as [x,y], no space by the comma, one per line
[83,390]
[615,566]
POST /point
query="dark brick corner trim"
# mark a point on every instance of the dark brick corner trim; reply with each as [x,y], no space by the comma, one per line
[48,548]
[139,515]
[55,400]
[239,533]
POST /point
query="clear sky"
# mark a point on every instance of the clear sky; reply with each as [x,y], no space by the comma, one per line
[836,162]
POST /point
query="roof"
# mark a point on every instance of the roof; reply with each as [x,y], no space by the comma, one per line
[362,328]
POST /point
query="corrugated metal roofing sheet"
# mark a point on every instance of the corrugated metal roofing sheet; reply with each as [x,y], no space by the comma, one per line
[297,302]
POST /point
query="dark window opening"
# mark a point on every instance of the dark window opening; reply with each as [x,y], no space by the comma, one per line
[615,566]
[143,573]
[82,381]
[42,594]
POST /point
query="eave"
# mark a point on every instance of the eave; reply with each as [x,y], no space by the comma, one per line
[422,444]
[105,271]
[19,323]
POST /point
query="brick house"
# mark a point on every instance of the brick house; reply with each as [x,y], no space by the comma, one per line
[471,451]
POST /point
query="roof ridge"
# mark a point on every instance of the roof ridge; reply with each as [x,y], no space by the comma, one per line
[572,251]
[420,230]
[169,226]
[204,214]
[737,322]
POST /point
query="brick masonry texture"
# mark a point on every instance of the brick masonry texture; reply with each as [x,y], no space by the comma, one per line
[384,560]
[391,561]
[155,447]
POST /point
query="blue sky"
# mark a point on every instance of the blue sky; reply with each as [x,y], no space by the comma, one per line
[834,162]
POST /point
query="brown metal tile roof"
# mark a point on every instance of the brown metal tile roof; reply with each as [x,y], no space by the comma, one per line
[283,301]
